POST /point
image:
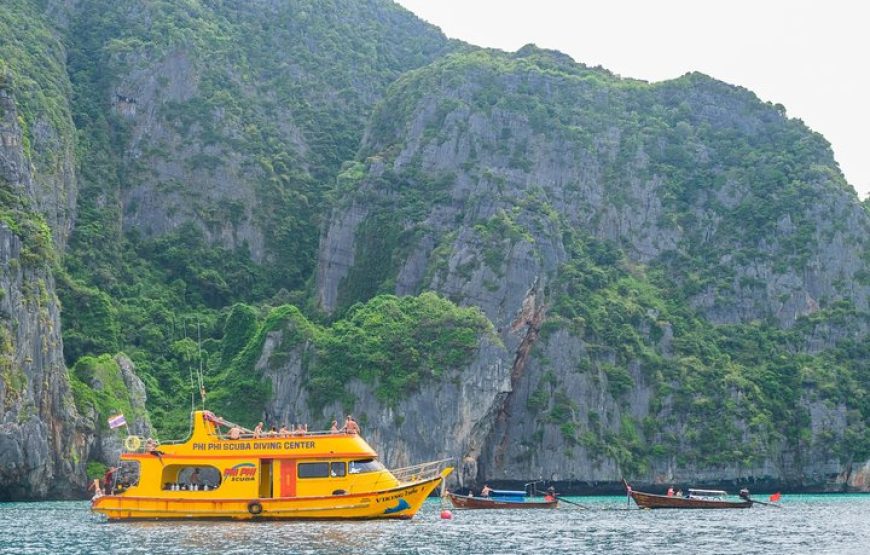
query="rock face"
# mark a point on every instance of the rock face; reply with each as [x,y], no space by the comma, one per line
[446,420]
[45,442]
[481,168]
[229,133]
[42,441]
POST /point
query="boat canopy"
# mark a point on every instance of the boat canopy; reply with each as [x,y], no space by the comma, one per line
[506,493]
[708,492]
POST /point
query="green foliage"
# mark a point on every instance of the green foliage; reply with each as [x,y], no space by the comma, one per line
[714,376]
[239,392]
[240,325]
[96,470]
[95,328]
[32,69]
[397,343]
[98,386]
[394,343]
[16,214]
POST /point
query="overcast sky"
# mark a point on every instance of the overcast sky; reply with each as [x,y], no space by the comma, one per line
[811,56]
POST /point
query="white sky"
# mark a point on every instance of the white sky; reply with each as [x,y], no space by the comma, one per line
[811,56]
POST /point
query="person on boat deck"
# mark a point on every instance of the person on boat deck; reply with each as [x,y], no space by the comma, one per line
[485,491]
[350,425]
[272,431]
[334,428]
[150,445]
[284,431]
[258,430]
[550,495]
[671,491]
[109,479]
[194,478]
[235,432]
[95,485]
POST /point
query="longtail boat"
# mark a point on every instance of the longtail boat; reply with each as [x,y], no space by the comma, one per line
[501,499]
[696,499]
[246,476]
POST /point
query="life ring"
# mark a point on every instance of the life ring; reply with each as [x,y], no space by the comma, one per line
[255,508]
[132,443]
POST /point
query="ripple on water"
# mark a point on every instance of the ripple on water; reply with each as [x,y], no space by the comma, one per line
[806,524]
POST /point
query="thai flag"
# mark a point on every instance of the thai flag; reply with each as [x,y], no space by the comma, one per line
[117,421]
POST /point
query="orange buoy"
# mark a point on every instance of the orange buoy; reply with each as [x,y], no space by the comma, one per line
[446,514]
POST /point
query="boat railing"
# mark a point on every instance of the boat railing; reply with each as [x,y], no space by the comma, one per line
[423,471]
[142,441]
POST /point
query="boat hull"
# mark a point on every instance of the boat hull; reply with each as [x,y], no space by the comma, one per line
[653,501]
[461,502]
[401,502]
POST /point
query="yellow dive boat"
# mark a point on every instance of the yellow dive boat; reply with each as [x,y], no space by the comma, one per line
[302,475]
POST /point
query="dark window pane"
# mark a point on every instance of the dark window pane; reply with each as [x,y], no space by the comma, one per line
[313,470]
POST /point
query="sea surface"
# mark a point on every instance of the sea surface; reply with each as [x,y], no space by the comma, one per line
[804,524]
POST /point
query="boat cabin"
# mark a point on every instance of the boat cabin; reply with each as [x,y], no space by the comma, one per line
[211,465]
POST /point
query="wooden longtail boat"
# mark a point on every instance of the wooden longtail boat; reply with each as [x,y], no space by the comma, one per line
[302,475]
[697,499]
[500,502]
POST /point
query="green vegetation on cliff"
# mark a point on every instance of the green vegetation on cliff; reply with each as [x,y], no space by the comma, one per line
[710,377]
[395,344]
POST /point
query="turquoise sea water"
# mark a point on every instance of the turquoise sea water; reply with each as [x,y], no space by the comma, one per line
[835,524]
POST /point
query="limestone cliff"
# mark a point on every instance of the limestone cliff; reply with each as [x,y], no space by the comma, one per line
[42,442]
[484,175]
[223,119]
[45,442]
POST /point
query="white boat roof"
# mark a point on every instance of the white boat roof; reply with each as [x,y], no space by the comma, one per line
[708,491]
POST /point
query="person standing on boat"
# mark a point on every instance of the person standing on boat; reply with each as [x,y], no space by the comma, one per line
[109,480]
[235,432]
[671,491]
[258,430]
[485,491]
[194,479]
[350,425]
[334,428]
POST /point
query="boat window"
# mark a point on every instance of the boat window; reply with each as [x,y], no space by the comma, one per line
[196,477]
[127,475]
[337,469]
[313,470]
[365,465]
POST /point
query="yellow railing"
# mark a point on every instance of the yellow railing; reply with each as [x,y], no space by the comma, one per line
[423,471]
